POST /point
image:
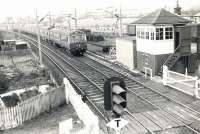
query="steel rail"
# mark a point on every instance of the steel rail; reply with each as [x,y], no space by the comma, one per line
[134,93]
[73,83]
[96,84]
[148,100]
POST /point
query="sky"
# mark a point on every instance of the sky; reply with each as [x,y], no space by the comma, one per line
[20,8]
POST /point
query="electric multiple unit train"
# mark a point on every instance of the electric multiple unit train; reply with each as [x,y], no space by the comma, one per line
[75,42]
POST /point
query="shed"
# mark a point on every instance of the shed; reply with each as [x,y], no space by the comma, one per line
[7,45]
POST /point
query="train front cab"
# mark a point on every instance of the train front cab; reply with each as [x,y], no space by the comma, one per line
[78,49]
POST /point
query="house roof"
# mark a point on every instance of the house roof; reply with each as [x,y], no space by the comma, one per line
[198,14]
[161,16]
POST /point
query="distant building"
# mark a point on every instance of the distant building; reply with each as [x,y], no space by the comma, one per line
[193,16]
[197,18]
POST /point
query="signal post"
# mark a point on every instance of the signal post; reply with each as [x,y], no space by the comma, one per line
[115,101]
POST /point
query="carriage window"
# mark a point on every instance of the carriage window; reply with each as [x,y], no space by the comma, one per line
[77,38]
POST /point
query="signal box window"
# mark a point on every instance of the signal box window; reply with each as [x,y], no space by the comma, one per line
[145,59]
[159,33]
[147,34]
[142,34]
[152,34]
[168,33]
[138,32]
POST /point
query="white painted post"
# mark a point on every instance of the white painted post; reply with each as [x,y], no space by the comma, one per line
[196,89]
[67,89]
[2,103]
[186,73]
[117,131]
[151,74]
[165,72]
[145,72]
[65,126]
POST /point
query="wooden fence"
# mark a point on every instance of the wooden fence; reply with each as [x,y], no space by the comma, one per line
[182,82]
[15,116]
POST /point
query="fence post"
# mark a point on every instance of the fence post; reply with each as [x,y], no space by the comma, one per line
[1,102]
[186,72]
[145,72]
[65,126]
[165,72]
[67,89]
[151,74]
[196,88]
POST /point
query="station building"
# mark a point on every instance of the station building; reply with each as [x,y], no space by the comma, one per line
[162,38]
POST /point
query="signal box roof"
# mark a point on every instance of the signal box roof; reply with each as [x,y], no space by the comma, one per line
[161,16]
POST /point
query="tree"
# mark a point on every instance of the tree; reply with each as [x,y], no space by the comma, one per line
[3,82]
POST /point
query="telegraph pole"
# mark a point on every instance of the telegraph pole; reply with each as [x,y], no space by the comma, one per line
[19,30]
[75,19]
[69,24]
[120,20]
[50,21]
[39,43]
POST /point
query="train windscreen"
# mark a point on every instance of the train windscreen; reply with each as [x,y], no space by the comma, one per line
[77,38]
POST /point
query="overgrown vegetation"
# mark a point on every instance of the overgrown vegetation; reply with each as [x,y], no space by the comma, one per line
[3,82]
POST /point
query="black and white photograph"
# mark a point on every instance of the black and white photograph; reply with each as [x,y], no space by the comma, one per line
[100,67]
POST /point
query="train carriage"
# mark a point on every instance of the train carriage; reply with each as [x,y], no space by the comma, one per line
[75,42]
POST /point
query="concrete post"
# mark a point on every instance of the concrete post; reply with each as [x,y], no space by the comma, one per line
[186,73]
[65,126]
[67,89]
[145,72]
[196,89]
[165,72]
[151,74]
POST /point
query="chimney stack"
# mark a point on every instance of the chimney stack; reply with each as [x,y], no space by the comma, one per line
[177,9]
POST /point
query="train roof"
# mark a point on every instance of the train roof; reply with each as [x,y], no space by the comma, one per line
[76,32]
[9,40]
[20,42]
[67,32]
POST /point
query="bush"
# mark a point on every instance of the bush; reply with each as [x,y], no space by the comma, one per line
[28,94]
[11,101]
[3,82]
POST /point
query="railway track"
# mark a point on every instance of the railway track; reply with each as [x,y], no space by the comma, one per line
[96,73]
[88,85]
[79,81]
[152,97]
